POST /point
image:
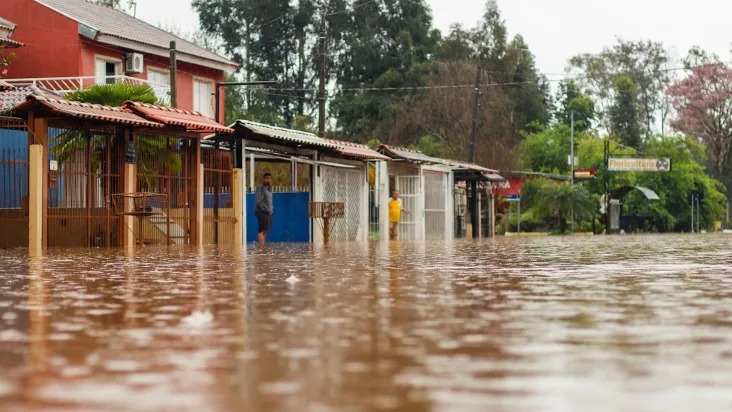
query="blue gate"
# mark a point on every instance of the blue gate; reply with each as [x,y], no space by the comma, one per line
[290,222]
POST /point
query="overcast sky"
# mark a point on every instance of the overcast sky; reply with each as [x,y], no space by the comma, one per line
[556,29]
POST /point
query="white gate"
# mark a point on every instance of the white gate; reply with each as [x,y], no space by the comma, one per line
[347,186]
[435,204]
[410,190]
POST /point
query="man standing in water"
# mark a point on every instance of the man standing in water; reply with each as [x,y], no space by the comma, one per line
[263,207]
[395,214]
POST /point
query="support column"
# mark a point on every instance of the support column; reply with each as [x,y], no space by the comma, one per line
[35,201]
[40,137]
[129,186]
[382,195]
[237,192]
[243,185]
[197,239]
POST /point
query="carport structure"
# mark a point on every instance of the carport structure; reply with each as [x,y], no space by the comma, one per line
[306,168]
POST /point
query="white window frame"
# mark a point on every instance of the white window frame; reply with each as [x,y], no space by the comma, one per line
[102,78]
[196,97]
[162,90]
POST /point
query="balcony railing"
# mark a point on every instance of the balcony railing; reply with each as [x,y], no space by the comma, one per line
[65,85]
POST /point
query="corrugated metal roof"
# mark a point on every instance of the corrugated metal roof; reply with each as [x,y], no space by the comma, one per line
[123,26]
[410,155]
[471,166]
[87,111]
[286,135]
[192,121]
[357,150]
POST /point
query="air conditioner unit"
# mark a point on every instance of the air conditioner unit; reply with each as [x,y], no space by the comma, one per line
[134,63]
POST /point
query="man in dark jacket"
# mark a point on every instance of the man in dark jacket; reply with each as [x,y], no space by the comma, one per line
[263,207]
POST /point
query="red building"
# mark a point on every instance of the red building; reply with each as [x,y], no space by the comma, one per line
[72,44]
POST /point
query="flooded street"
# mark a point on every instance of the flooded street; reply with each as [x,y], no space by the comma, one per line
[629,323]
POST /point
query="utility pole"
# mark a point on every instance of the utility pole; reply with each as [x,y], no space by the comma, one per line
[220,85]
[474,123]
[173,75]
[607,185]
[474,221]
[321,109]
[571,159]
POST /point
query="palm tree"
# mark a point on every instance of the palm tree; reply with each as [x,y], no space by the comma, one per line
[151,150]
[560,199]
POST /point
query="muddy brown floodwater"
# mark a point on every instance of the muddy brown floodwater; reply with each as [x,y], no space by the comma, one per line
[628,323]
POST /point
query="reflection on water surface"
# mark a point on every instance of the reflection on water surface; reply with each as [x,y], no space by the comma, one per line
[624,323]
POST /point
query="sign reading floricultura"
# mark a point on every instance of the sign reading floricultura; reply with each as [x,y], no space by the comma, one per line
[615,164]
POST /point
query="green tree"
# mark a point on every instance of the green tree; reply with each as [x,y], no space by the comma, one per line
[673,211]
[624,113]
[644,62]
[559,200]
[151,150]
[430,146]
[571,100]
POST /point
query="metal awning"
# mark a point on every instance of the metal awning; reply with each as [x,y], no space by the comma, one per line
[287,137]
[621,192]
[268,154]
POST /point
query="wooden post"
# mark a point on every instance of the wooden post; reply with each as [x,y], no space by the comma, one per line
[198,238]
[129,185]
[326,230]
[173,75]
[41,137]
[237,196]
[35,202]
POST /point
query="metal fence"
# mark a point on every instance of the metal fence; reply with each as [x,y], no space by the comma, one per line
[344,185]
[218,212]
[83,176]
[435,204]
[164,166]
[13,184]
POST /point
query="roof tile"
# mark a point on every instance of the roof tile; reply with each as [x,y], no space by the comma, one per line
[87,111]
[118,24]
[12,96]
[192,121]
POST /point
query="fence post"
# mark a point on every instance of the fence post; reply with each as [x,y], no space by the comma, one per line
[198,234]
[35,201]
[237,196]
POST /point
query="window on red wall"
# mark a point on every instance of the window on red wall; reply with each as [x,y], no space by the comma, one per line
[203,99]
[160,82]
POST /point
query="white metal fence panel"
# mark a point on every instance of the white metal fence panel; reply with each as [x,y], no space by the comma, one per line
[435,204]
[410,189]
[344,185]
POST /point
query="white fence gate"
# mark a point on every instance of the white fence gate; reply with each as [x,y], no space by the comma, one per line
[410,190]
[435,204]
[345,185]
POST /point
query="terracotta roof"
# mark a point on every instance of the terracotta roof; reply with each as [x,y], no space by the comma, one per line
[192,121]
[87,111]
[287,136]
[12,96]
[111,24]
[356,150]
[11,44]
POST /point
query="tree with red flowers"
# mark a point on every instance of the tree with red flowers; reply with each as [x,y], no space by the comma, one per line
[703,101]
[5,60]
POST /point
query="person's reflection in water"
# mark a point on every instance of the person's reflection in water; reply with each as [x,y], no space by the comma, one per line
[394,268]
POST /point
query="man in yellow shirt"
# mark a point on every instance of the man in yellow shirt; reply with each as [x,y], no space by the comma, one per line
[395,214]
